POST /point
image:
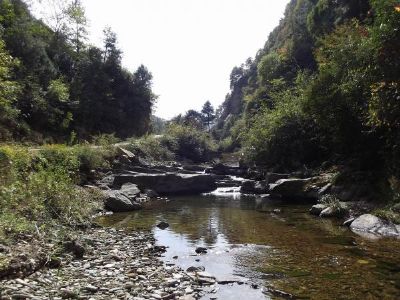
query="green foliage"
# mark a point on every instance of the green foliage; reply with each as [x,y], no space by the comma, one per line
[105,139]
[58,91]
[273,66]
[208,114]
[9,90]
[155,148]
[38,186]
[283,136]
[324,88]
[179,141]
[333,202]
[52,83]
[190,143]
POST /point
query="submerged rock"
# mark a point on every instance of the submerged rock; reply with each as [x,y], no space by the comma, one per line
[373,225]
[163,225]
[201,250]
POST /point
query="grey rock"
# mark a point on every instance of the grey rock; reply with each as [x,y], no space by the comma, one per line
[130,190]
[118,202]
[200,250]
[325,189]
[193,168]
[163,225]
[330,212]
[195,269]
[75,247]
[294,188]
[151,193]
[274,177]
[254,187]
[91,288]
[4,249]
[368,223]
[127,153]
[221,169]
[348,222]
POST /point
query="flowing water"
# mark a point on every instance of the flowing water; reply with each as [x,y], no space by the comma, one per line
[289,251]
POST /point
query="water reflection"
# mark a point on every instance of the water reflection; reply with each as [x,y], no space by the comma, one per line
[290,250]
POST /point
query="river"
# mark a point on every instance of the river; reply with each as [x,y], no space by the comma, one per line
[269,251]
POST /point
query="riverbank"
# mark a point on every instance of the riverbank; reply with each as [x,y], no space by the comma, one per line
[105,263]
[61,247]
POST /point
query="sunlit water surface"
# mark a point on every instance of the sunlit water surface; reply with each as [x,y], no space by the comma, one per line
[289,251]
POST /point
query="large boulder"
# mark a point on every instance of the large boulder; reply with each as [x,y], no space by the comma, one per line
[254,187]
[130,190]
[116,201]
[301,188]
[295,188]
[169,184]
[370,224]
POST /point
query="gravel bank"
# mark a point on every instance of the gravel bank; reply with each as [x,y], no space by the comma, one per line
[115,265]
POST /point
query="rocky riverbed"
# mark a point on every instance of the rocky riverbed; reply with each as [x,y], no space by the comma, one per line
[113,265]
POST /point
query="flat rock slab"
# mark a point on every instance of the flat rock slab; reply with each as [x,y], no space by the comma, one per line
[170,184]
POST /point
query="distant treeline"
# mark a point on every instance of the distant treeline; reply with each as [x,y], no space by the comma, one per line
[54,86]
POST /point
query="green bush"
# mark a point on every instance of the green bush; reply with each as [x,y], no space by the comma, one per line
[190,143]
[105,140]
[178,142]
[152,147]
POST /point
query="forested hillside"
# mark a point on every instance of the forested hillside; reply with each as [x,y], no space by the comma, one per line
[325,88]
[54,86]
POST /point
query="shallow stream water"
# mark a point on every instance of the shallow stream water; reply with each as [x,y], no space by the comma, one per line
[289,251]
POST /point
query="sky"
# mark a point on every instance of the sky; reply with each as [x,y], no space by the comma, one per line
[190,46]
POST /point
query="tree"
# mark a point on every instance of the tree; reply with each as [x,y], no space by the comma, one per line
[111,52]
[208,114]
[9,90]
[78,23]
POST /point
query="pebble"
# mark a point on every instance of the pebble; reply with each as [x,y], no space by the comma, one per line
[137,274]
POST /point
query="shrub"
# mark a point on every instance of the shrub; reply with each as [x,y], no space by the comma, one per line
[105,139]
[190,143]
[152,147]
[38,186]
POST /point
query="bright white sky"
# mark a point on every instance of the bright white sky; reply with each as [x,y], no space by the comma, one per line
[190,46]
